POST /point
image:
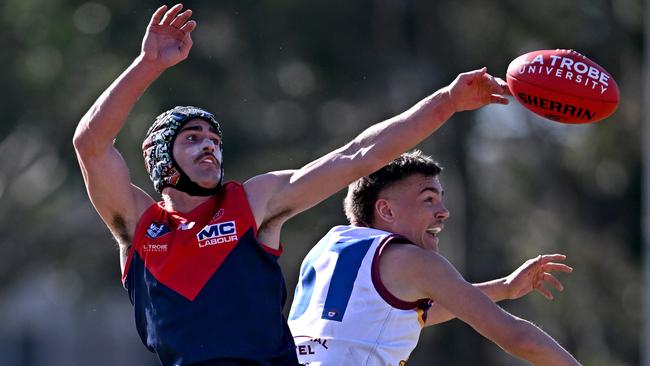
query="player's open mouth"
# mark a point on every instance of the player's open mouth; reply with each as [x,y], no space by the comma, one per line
[434,230]
[208,159]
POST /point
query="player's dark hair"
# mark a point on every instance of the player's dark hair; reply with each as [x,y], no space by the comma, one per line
[362,194]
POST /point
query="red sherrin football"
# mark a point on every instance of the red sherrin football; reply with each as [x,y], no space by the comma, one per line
[563,85]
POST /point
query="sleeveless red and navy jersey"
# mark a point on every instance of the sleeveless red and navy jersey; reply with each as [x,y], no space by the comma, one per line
[204,290]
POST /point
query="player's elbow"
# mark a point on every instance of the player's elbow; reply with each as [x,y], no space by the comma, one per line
[81,138]
[88,139]
[80,141]
[84,141]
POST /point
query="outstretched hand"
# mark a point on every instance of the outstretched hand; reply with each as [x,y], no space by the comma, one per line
[474,89]
[168,38]
[534,274]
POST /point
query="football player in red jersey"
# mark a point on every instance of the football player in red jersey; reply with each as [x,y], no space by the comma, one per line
[200,266]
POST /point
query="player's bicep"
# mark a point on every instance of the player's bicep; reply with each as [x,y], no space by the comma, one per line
[262,191]
[279,195]
[325,176]
[438,314]
[300,189]
[111,192]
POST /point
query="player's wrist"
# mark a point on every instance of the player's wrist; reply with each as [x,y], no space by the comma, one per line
[503,289]
[444,104]
[147,66]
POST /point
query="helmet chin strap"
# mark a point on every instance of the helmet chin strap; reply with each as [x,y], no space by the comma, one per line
[185,184]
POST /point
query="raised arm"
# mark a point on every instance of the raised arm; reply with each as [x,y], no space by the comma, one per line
[534,274]
[167,42]
[430,275]
[286,193]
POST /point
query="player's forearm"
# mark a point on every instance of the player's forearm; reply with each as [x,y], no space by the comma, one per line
[99,127]
[533,344]
[384,141]
[550,354]
[368,152]
[496,290]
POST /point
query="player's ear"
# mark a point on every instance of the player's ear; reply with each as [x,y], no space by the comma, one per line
[383,211]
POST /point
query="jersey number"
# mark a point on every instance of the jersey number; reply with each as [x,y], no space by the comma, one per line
[350,256]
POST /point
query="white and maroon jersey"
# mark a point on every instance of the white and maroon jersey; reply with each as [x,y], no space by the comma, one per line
[342,314]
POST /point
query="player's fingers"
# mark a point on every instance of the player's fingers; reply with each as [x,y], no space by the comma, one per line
[501,87]
[187,43]
[157,15]
[171,14]
[546,293]
[495,88]
[181,18]
[549,278]
[470,76]
[188,27]
[557,267]
[478,74]
[552,257]
[498,99]
[480,71]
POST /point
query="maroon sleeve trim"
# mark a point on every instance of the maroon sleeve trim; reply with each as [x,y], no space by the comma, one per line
[391,299]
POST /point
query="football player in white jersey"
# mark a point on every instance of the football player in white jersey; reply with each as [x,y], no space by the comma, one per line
[366,290]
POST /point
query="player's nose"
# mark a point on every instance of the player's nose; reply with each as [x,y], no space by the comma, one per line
[208,145]
[442,213]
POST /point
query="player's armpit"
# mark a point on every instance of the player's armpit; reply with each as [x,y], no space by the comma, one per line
[116,199]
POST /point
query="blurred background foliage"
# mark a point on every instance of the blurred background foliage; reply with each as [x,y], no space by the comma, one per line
[291,80]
